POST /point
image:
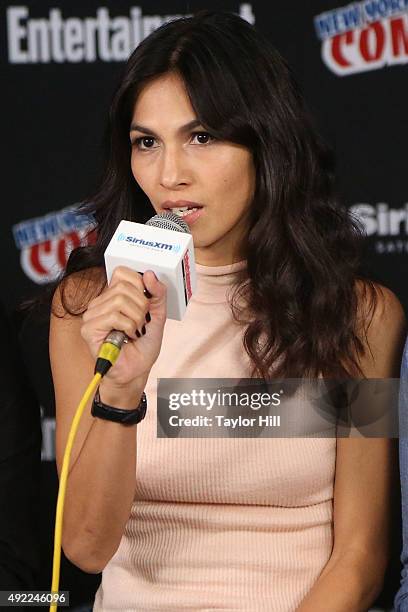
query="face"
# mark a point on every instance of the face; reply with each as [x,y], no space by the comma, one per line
[173,163]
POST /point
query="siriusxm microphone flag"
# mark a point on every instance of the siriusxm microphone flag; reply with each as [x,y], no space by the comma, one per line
[170,254]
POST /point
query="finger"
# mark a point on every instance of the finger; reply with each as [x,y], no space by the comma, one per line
[118,303]
[104,323]
[121,288]
[156,288]
[123,273]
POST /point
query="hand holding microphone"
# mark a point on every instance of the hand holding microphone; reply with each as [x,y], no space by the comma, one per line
[162,248]
[123,306]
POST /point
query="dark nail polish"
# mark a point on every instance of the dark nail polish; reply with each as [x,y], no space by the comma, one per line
[143,329]
[147,293]
[148,317]
[138,334]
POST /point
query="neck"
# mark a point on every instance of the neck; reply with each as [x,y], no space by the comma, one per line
[213,261]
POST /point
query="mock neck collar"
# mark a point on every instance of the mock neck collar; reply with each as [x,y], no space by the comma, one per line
[220,270]
[213,282]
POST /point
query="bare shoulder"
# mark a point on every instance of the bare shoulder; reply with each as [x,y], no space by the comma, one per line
[70,301]
[382,326]
[379,309]
[74,293]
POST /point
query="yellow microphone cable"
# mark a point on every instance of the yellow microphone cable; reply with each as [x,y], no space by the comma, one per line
[107,356]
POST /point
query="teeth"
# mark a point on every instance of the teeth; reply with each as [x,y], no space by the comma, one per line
[182,212]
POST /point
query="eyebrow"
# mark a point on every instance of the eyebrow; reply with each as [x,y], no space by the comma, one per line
[184,128]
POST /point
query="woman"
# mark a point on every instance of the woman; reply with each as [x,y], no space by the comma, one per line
[207,114]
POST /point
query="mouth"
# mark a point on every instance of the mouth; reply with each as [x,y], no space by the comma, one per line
[188,211]
[182,208]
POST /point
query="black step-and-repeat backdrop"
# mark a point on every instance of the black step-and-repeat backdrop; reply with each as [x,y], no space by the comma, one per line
[60,63]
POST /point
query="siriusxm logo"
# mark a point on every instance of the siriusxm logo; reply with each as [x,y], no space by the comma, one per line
[175,248]
[387,227]
[381,220]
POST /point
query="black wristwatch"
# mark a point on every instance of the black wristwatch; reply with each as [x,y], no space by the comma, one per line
[119,415]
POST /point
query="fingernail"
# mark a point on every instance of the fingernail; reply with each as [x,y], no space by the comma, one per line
[147,293]
[138,334]
[143,329]
[148,317]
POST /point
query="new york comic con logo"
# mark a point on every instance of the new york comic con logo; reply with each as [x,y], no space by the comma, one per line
[364,36]
[46,242]
[162,246]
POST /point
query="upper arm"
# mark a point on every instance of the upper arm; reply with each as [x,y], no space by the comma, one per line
[385,337]
[72,368]
[366,468]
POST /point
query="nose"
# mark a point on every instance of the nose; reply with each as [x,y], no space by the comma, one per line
[174,170]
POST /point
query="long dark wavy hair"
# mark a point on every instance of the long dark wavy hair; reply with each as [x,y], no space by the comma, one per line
[302,288]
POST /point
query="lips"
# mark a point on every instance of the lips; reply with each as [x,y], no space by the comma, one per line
[191,217]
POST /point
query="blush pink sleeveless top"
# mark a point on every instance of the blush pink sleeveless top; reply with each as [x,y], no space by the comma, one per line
[219,523]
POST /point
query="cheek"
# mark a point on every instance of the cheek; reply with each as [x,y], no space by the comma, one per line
[236,179]
[133,167]
[140,174]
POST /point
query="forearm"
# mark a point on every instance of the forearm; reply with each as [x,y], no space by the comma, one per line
[351,584]
[101,486]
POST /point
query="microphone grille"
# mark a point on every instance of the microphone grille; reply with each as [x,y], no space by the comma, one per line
[169,221]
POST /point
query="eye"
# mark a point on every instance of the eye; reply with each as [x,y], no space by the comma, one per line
[145,140]
[204,135]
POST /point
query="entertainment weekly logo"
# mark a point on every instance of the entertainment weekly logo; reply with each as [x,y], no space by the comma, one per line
[46,242]
[83,39]
[364,36]
[387,226]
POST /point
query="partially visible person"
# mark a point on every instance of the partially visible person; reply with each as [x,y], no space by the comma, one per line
[401,599]
[20,463]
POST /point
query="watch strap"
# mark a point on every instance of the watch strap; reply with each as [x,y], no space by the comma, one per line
[119,415]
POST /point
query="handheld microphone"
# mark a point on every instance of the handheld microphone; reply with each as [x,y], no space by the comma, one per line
[163,244]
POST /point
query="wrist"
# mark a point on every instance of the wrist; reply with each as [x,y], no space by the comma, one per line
[126,397]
